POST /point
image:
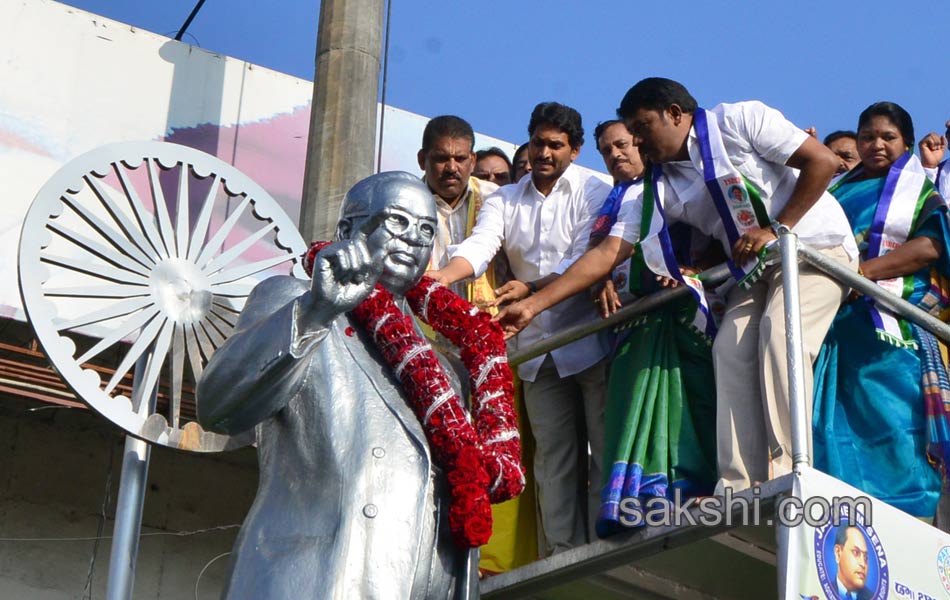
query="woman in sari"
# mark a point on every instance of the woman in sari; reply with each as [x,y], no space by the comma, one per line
[880,382]
[659,423]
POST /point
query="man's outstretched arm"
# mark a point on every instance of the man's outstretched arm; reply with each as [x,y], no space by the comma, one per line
[590,268]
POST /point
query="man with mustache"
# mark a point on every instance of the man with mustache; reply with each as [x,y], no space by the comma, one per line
[621,156]
[492,164]
[540,223]
[622,159]
[447,157]
[845,146]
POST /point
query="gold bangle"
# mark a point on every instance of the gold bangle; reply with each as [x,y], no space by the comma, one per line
[860,271]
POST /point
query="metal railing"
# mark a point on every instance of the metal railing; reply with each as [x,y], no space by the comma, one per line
[791,253]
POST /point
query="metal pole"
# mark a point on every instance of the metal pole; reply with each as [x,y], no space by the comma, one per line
[128,519]
[341,143]
[713,276]
[788,242]
[867,287]
[129,502]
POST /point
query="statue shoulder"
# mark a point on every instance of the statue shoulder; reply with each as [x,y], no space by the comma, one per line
[269,296]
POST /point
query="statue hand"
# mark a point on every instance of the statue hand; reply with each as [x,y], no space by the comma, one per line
[344,273]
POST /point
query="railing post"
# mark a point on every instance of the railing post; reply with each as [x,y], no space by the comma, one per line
[788,243]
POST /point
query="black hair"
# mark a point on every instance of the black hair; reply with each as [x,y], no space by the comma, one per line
[446,126]
[602,127]
[893,111]
[841,533]
[522,148]
[841,134]
[560,116]
[493,151]
[655,93]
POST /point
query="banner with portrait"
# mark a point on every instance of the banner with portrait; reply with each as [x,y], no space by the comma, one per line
[854,547]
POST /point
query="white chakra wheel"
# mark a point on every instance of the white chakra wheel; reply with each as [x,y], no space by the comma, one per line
[135,260]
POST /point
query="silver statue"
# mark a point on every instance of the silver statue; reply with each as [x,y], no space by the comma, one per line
[350,503]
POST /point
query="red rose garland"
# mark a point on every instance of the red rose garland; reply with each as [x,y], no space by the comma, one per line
[482,463]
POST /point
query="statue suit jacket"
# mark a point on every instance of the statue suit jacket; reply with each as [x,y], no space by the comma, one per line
[350,504]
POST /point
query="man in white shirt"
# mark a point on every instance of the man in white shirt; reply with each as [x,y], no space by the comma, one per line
[540,222]
[787,172]
[622,160]
[447,157]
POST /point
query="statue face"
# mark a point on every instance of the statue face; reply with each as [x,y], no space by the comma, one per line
[401,231]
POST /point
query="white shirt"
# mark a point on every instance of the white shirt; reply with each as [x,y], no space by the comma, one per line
[452,225]
[540,234]
[759,141]
[940,177]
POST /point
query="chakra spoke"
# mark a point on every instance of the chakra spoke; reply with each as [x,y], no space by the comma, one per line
[165,229]
[178,374]
[214,336]
[204,219]
[108,254]
[105,230]
[99,291]
[138,348]
[100,271]
[238,289]
[194,353]
[237,250]
[220,325]
[182,224]
[214,244]
[151,241]
[228,319]
[119,216]
[225,306]
[153,368]
[104,314]
[207,348]
[127,328]
[247,270]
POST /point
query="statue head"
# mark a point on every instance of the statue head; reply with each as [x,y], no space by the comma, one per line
[396,213]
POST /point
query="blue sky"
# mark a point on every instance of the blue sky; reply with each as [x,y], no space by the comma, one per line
[490,62]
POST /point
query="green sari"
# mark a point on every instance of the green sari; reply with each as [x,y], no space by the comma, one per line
[659,433]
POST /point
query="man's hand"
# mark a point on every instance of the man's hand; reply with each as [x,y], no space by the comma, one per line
[672,283]
[344,273]
[747,247]
[438,276]
[512,291]
[606,298]
[931,150]
[514,318]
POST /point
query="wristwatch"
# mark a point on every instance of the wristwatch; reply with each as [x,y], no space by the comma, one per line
[779,228]
[532,287]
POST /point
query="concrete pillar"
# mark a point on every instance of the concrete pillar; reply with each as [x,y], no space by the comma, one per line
[343,114]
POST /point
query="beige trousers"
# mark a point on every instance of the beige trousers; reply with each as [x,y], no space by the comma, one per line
[753,418]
